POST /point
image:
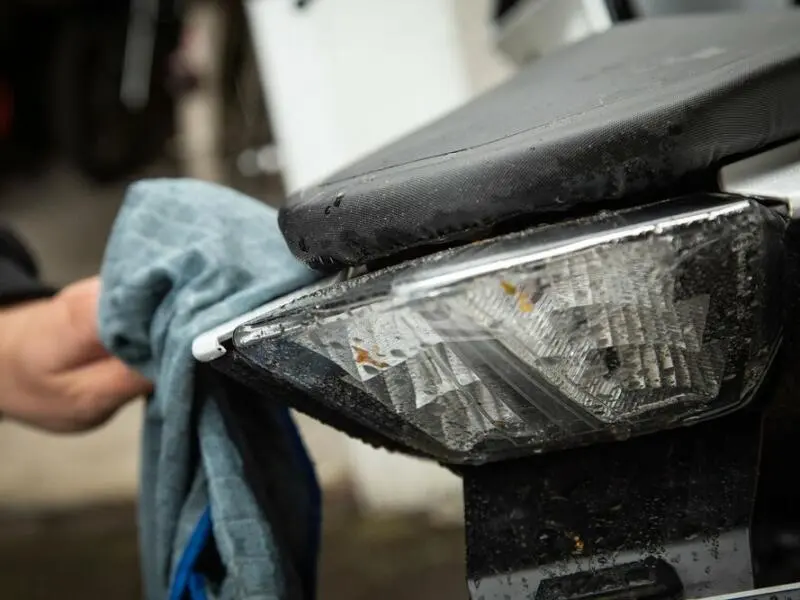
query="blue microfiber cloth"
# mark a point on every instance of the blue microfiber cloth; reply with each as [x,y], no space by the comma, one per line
[183,257]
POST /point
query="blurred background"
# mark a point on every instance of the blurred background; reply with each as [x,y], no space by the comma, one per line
[95,94]
[266,96]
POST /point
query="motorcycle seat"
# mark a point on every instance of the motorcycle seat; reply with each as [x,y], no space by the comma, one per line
[640,109]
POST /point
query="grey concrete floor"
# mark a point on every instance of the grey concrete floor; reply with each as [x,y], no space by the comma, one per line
[90,553]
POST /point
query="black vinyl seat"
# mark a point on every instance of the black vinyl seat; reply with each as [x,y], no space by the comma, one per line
[636,108]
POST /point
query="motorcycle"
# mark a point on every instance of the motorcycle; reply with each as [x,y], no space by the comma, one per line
[579,293]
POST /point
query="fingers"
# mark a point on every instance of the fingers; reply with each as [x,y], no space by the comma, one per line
[111,378]
[102,388]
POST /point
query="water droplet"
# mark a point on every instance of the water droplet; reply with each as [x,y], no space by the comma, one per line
[398,353]
[337,201]
[370,370]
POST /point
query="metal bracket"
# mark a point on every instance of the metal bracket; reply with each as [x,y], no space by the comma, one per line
[774,174]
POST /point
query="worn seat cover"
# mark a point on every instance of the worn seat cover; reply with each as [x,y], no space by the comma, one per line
[636,108]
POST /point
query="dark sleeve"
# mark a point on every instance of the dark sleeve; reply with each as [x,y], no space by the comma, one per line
[18,273]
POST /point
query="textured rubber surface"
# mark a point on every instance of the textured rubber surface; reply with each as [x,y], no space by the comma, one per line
[627,112]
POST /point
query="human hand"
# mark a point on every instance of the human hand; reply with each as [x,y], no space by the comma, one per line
[54,372]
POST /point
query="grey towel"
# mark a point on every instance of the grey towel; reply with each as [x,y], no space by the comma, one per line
[183,257]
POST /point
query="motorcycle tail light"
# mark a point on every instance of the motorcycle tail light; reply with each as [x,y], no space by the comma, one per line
[557,336]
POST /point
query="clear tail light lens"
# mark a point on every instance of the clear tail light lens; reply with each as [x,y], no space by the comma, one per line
[605,328]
